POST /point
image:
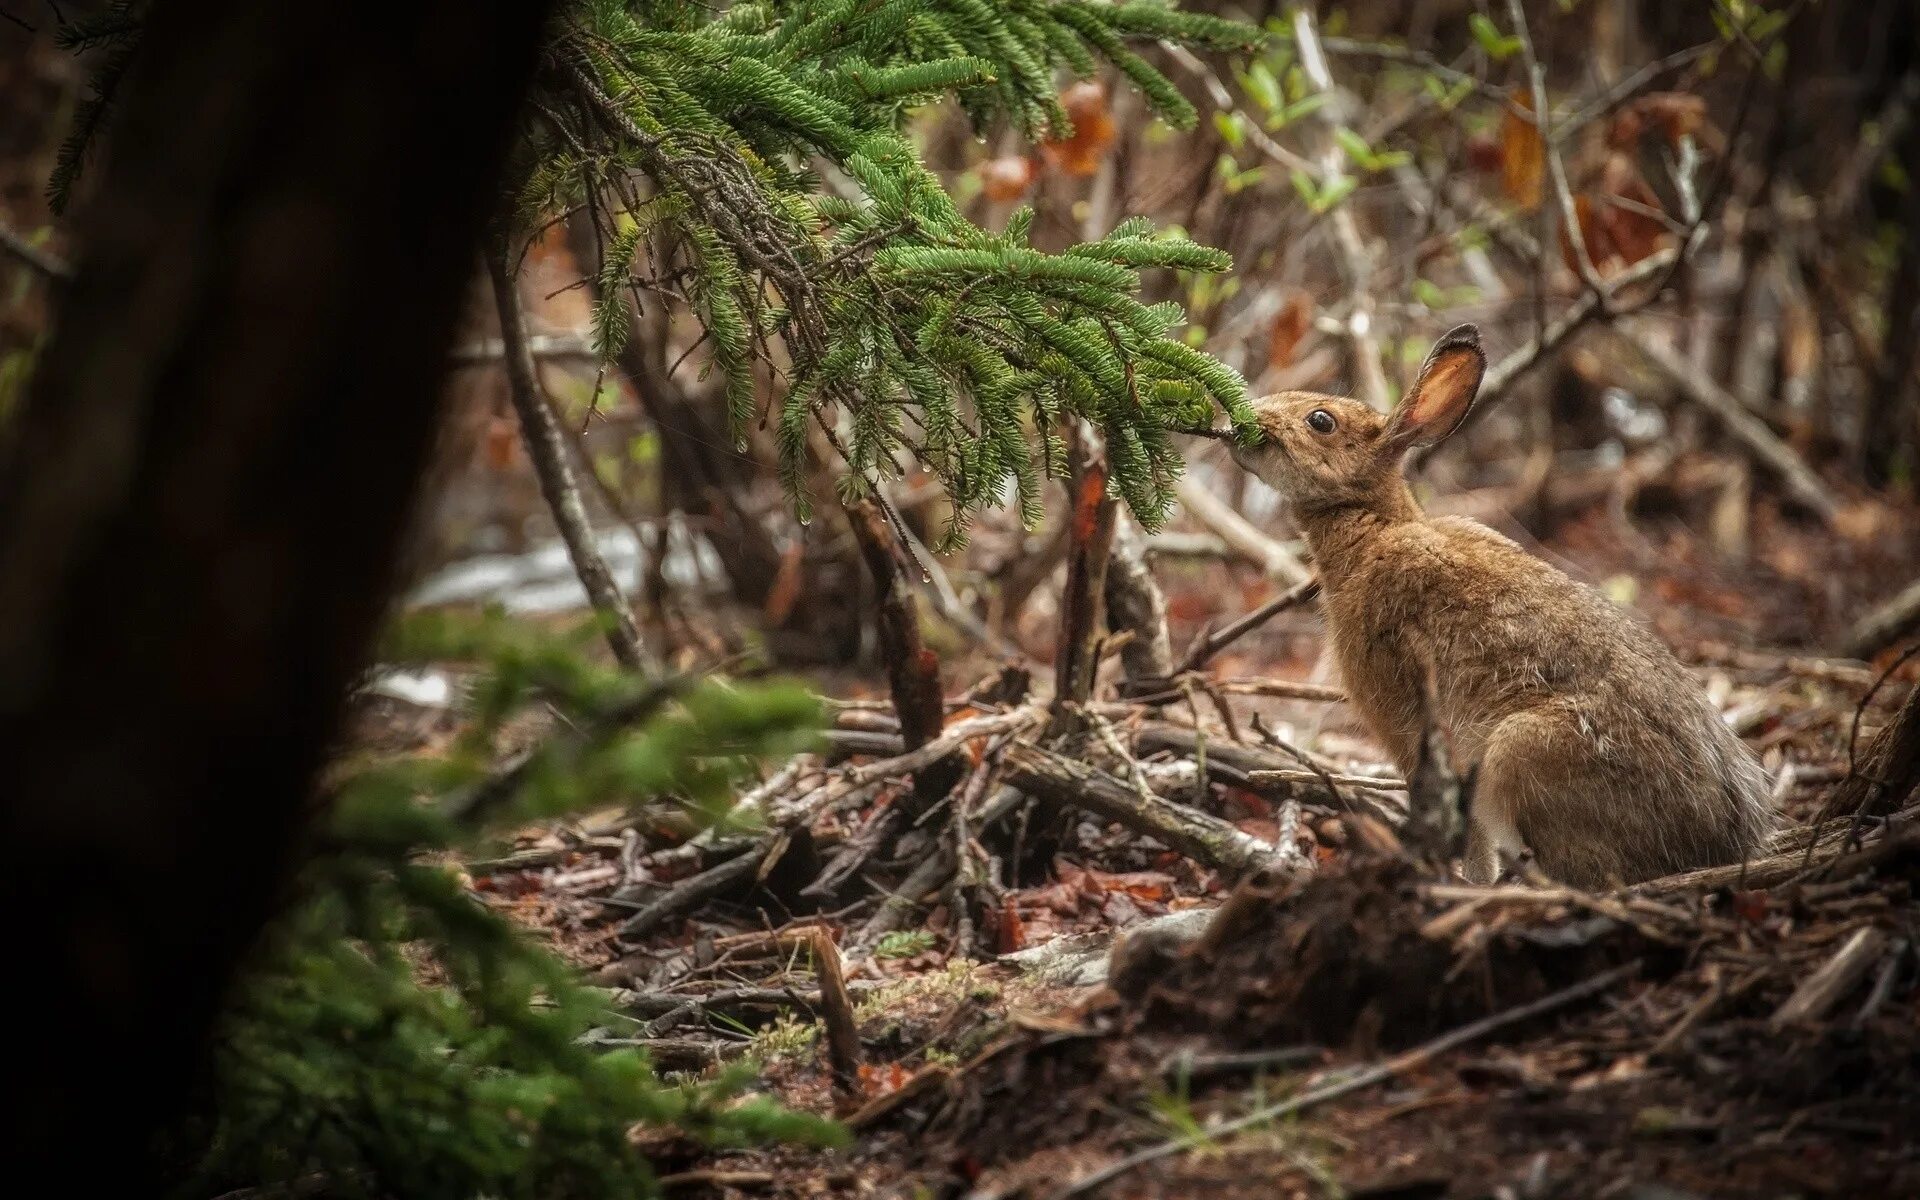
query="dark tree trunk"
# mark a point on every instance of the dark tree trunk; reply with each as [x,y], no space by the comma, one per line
[201,505]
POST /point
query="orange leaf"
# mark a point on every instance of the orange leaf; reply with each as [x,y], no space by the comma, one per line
[1672,115]
[1011,932]
[1523,155]
[1007,177]
[1093,131]
[787,581]
[501,443]
[1290,326]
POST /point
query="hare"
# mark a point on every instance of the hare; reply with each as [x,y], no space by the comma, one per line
[1596,750]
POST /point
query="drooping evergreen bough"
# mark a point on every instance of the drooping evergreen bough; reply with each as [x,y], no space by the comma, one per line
[751,158]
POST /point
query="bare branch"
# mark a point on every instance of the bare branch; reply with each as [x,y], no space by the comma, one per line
[546,446]
[1738,420]
[1556,168]
[1361,322]
[44,262]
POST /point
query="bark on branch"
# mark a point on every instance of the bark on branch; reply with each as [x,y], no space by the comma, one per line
[1071,783]
[547,448]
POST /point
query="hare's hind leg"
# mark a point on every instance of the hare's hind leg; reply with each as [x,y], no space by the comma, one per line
[1481,864]
[1536,789]
[1491,834]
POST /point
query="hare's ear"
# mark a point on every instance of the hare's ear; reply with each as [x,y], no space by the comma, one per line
[1441,396]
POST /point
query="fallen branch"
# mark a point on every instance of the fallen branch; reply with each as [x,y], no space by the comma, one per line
[498,789]
[41,261]
[1884,625]
[1826,987]
[1367,1077]
[1242,535]
[695,890]
[542,345]
[931,876]
[1740,422]
[1068,782]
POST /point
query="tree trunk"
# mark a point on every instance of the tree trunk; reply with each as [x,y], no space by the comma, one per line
[202,502]
[1136,606]
[1083,603]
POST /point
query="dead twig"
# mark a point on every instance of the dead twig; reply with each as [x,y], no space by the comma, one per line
[1136,607]
[1070,783]
[1885,624]
[546,447]
[42,262]
[1328,778]
[1892,768]
[1213,642]
[1542,117]
[1837,976]
[836,1012]
[695,890]
[1081,603]
[913,671]
[1361,322]
[1502,375]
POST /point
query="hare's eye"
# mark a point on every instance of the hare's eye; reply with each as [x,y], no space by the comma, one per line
[1320,421]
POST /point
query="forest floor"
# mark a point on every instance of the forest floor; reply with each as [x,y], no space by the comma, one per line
[1750,1034]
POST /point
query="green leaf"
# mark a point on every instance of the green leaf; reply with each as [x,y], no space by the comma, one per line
[1303,184]
[1499,47]
[1229,128]
[1336,189]
[1355,145]
[1262,85]
[1299,108]
[904,943]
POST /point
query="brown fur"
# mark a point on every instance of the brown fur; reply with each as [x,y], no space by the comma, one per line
[1597,750]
